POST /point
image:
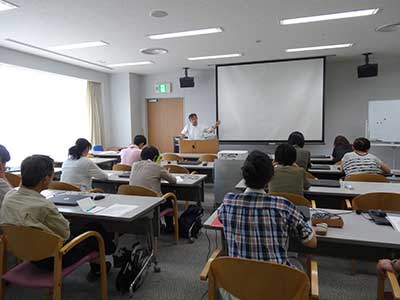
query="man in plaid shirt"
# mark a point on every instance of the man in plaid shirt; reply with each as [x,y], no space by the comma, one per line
[257,225]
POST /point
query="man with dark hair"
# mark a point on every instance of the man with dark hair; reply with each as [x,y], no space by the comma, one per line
[360,161]
[27,207]
[257,225]
[296,139]
[132,153]
[5,186]
[195,131]
[288,177]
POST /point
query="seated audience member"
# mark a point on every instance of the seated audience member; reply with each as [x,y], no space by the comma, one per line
[132,153]
[341,147]
[296,139]
[4,184]
[148,173]
[27,207]
[78,169]
[288,178]
[360,161]
[257,225]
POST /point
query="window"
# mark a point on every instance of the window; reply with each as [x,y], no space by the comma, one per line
[41,112]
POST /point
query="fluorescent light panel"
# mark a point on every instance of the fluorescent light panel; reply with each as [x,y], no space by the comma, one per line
[215,56]
[137,63]
[5,5]
[319,47]
[184,33]
[79,45]
[343,15]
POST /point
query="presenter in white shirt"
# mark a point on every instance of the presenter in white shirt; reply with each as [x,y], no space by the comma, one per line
[195,131]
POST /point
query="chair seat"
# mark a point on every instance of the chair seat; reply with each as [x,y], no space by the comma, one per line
[28,275]
[167,211]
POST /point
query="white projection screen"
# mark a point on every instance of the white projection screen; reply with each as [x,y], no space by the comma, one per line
[266,101]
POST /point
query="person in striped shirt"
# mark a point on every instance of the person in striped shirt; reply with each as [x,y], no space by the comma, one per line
[360,161]
[257,225]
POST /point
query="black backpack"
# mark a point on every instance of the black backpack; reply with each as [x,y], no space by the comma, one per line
[190,222]
[131,263]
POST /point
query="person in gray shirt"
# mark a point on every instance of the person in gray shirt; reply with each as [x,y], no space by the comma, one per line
[296,139]
[5,186]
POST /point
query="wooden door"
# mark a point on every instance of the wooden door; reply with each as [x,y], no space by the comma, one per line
[164,121]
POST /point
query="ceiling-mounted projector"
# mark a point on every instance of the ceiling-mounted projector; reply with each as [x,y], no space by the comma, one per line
[186,82]
[367,70]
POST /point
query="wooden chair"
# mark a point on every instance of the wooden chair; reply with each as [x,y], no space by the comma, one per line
[143,191]
[14,180]
[395,295]
[59,185]
[42,244]
[384,201]
[208,157]
[249,279]
[176,169]
[296,199]
[121,167]
[367,177]
[172,157]
[117,149]
[310,176]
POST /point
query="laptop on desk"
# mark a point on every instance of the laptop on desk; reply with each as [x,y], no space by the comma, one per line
[325,183]
[125,174]
[189,163]
[67,199]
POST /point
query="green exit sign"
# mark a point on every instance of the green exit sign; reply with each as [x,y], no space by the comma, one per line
[163,88]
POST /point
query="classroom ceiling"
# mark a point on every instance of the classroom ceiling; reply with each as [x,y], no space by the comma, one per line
[125,24]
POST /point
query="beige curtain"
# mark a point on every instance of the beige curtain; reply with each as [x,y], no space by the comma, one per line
[95,112]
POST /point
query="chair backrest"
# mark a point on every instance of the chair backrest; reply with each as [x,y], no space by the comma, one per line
[59,185]
[176,169]
[310,176]
[367,177]
[28,243]
[117,149]
[121,167]
[135,190]
[250,279]
[172,156]
[98,148]
[208,157]
[384,201]
[294,198]
[14,180]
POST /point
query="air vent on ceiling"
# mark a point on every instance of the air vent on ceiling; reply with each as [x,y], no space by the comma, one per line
[388,27]
[154,51]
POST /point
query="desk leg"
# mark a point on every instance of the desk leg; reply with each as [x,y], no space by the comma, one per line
[154,234]
[201,195]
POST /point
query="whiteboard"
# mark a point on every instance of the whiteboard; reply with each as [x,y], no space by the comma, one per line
[384,120]
[266,101]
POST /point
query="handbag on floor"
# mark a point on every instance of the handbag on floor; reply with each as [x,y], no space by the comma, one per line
[190,222]
[131,262]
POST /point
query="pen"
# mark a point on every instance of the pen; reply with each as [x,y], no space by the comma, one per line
[89,209]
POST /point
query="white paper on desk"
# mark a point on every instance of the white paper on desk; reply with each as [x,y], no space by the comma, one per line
[179,179]
[117,210]
[88,205]
[395,221]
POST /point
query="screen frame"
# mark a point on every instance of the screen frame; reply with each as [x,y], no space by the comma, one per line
[322,141]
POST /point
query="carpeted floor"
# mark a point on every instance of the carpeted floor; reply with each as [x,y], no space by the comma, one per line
[180,268]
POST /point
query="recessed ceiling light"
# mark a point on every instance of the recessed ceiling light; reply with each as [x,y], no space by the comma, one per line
[137,63]
[5,5]
[215,56]
[79,45]
[158,13]
[184,33]
[153,51]
[319,47]
[388,27]
[343,15]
